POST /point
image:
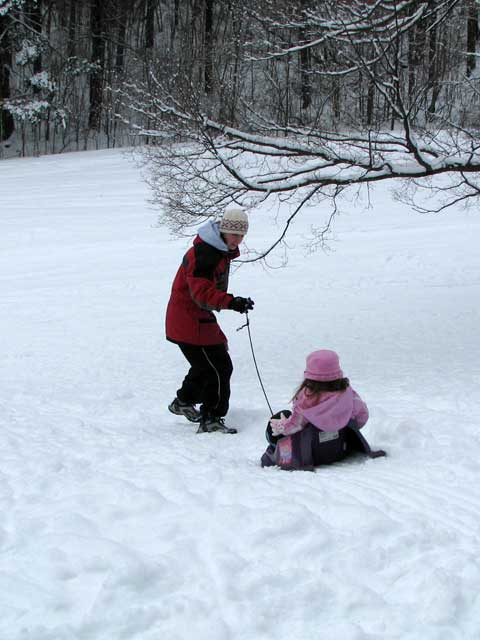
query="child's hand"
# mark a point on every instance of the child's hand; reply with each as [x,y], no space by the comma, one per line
[278,424]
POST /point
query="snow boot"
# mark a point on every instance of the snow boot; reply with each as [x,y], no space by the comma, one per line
[185,409]
[209,424]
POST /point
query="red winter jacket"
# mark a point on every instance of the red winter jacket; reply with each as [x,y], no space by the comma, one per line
[199,288]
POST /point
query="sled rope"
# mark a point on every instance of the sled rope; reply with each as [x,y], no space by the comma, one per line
[247,324]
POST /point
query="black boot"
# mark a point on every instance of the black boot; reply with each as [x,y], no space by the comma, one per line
[185,409]
[211,423]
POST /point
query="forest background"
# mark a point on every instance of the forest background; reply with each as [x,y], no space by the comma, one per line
[68,67]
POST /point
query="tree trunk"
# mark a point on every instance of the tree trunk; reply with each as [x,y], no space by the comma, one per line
[306,78]
[72,29]
[208,46]
[174,23]
[7,125]
[149,24]
[414,53]
[433,79]
[34,20]
[97,19]
[305,56]
[121,35]
[370,101]
[472,35]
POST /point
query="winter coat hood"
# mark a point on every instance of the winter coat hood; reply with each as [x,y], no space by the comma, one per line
[210,233]
[335,409]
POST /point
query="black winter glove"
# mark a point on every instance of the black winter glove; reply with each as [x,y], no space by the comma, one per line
[242,305]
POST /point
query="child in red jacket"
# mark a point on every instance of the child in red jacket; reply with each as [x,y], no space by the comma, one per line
[199,288]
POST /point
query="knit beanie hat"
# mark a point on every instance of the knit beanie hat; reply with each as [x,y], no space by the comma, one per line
[234,221]
[323,365]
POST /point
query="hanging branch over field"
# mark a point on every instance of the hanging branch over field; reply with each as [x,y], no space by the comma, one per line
[199,164]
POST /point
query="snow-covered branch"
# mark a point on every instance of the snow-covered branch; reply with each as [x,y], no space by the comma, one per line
[370,112]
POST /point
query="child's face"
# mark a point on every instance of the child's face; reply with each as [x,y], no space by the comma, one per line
[232,240]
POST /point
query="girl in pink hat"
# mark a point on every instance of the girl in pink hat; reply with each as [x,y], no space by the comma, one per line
[324,425]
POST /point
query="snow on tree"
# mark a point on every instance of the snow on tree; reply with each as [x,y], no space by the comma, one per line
[372,112]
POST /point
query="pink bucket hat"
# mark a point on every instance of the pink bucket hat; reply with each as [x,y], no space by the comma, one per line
[323,365]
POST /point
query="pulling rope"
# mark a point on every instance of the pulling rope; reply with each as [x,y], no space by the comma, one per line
[247,324]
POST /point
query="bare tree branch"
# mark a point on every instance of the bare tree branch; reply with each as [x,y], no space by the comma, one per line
[199,163]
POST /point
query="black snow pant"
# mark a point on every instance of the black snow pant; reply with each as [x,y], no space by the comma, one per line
[208,380]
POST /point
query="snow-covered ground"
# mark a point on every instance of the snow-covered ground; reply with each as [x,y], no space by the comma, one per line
[118,522]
